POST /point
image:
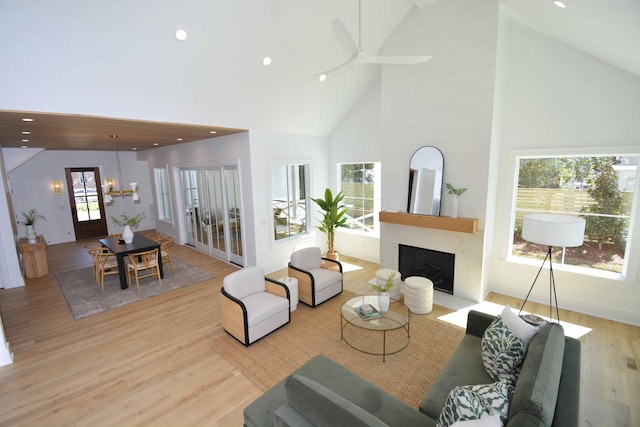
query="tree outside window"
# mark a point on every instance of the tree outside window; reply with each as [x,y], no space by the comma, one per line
[360,183]
[597,188]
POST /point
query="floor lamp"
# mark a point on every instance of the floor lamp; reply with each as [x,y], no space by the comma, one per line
[552,230]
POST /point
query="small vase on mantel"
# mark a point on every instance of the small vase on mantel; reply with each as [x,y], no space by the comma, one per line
[454,206]
[127,234]
[383,301]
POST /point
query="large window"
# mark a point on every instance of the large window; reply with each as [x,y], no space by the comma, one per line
[290,189]
[597,188]
[360,183]
[163,194]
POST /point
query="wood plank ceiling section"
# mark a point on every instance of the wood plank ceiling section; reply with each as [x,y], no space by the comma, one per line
[78,132]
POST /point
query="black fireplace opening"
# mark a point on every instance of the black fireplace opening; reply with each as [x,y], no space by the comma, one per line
[434,265]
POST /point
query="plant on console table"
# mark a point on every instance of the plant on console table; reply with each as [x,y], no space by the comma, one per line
[29,220]
[455,193]
[334,216]
[383,292]
[128,222]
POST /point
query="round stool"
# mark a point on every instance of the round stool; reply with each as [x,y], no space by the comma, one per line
[418,294]
[292,285]
[381,279]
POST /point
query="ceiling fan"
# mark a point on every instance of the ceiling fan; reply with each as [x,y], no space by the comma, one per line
[358,55]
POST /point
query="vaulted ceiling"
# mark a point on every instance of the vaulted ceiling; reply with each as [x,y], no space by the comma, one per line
[120,59]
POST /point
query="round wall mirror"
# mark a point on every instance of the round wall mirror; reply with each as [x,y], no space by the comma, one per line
[425,181]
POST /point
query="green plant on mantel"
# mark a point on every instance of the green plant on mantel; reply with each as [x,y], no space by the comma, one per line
[455,191]
[131,221]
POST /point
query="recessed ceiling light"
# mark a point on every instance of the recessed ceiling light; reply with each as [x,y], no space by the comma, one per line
[266,60]
[156,144]
[25,140]
[212,131]
[27,119]
[26,132]
[134,148]
[23,146]
[322,77]
[181,35]
[560,4]
[178,139]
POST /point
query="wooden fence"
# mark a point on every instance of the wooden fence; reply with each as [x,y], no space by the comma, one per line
[561,201]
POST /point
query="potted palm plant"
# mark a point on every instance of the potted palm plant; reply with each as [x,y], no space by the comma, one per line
[334,216]
[28,220]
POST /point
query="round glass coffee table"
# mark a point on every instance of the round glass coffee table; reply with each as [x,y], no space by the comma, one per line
[357,332]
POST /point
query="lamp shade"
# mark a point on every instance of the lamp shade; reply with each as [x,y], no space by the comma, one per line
[553,230]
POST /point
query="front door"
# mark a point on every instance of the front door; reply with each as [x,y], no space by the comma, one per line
[87,209]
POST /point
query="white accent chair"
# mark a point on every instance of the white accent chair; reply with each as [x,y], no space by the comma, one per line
[253,305]
[319,278]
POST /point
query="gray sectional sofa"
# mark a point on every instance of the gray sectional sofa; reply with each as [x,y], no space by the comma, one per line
[324,393]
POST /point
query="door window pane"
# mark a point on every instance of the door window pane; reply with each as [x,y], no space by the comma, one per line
[85,192]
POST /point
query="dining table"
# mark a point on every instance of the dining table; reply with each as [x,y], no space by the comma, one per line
[121,250]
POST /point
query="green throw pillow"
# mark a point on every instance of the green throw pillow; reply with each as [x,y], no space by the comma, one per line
[474,402]
[502,352]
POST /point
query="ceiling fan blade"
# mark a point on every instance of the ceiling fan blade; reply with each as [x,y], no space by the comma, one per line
[339,67]
[395,60]
[344,36]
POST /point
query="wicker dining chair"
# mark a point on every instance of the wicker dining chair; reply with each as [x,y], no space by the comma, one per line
[143,264]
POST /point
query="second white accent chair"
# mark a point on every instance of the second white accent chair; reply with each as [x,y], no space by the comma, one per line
[319,278]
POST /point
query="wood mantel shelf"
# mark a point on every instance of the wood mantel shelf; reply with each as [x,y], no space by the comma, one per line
[463,225]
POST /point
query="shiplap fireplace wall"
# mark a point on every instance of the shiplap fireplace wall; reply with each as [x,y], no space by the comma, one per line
[447,103]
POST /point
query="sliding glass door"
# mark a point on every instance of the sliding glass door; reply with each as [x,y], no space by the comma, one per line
[211,203]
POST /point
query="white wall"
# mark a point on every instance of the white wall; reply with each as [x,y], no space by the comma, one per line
[357,139]
[446,103]
[10,274]
[230,150]
[557,98]
[31,186]
[268,150]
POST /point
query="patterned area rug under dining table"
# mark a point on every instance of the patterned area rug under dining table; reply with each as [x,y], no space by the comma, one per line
[85,297]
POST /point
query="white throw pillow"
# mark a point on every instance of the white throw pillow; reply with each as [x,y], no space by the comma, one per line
[518,326]
[490,421]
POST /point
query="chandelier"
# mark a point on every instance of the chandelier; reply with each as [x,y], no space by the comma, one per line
[107,188]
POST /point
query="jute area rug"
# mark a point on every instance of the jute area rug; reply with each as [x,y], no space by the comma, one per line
[407,374]
[86,298]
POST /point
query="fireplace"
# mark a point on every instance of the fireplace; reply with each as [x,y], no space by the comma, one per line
[434,265]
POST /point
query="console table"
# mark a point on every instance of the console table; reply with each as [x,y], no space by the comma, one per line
[34,257]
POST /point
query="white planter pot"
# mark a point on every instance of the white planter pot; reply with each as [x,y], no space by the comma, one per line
[127,234]
[31,233]
[383,301]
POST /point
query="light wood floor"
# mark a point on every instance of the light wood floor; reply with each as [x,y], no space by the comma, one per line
[153,362]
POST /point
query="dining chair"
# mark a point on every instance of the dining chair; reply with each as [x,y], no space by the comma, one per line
[106,264]
[166,242]
[92,250]
[142,265]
